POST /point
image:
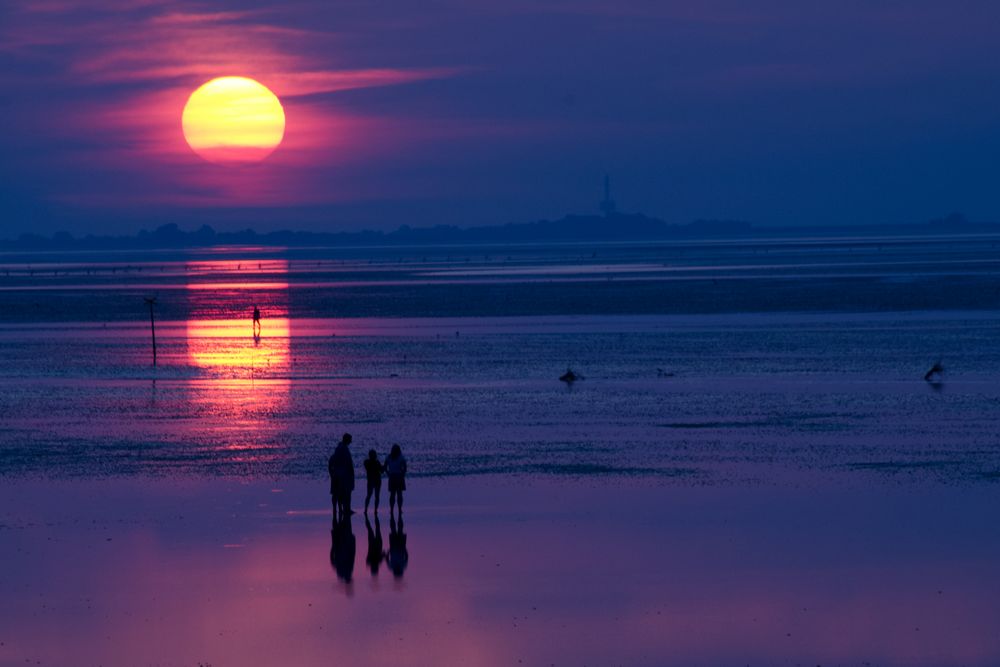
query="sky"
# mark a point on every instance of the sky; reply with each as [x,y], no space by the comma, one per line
[474,112]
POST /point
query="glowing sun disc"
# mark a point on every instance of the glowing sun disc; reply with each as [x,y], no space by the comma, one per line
[233,120]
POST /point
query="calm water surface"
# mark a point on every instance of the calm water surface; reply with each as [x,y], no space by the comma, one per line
[704,363]
[752,470]
[497,571]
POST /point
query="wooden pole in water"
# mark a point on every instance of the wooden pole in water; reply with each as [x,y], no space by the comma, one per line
[152,325]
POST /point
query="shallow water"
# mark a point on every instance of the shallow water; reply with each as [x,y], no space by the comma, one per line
[752,470]
[498,571]
[699,396]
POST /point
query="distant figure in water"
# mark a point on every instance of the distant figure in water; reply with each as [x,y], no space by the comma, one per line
[397,557]
[935,374]
[376,554]
[341,467]
[373,474]
[343,548]
[256,321]
[395,466]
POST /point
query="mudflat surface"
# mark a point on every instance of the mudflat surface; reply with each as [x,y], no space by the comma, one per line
[496,570]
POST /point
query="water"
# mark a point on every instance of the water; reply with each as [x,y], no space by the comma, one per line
[703,363]
[752,471]
[568,572]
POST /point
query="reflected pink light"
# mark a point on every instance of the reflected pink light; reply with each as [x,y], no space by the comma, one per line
[274,601]
[238,349]
[246,377]
[260,285]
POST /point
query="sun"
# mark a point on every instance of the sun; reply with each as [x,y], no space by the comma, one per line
[233,120]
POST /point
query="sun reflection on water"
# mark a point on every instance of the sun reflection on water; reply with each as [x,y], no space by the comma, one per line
[242,383]
[229,346]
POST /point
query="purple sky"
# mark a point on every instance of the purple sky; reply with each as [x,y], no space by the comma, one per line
[475,112]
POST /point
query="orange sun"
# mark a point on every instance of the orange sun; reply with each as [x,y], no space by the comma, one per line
[233,120]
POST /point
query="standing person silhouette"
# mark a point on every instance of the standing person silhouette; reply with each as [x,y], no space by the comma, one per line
[395,465]
[256,321]
[342,470]
[373,475]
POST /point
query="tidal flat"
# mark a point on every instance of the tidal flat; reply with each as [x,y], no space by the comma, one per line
[749,469]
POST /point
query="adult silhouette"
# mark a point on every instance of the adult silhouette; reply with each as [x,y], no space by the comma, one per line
[256,321]
[341,467]
[397,557]
[375,546]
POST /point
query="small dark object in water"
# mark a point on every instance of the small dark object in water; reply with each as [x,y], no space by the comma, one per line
[660,373]
[569,377]
[935,374]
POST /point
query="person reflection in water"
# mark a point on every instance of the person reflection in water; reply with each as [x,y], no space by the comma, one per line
[395,466]
[333,484]
[256,321]
[343,548]
[373,474]
[341,468]
[397,556]
[375,553]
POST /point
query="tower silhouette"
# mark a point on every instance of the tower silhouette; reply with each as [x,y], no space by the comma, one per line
[608,205]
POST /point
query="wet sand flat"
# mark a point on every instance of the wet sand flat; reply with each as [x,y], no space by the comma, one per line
[752,470]
[746,398]
[499,571]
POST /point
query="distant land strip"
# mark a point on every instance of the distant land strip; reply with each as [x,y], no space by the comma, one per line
[617,227]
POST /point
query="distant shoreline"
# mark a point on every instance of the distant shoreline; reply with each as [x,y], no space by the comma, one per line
[571,229]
